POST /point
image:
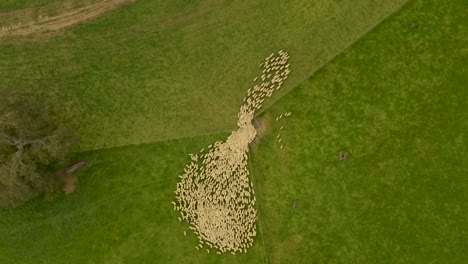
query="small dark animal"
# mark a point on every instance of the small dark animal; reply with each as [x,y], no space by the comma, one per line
[343,155]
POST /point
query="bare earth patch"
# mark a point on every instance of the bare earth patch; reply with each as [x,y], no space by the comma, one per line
[260,125]
[42,22]
[68,177]
[69,183]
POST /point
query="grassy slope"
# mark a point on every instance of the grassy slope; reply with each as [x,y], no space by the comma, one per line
[14,12]
[164,69]
[394,101]
[9,5]
[121,212]
[397,102]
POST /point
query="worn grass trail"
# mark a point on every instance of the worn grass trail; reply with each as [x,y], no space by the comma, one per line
[24,23]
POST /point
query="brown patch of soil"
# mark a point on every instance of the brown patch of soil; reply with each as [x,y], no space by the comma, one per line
[69,183]
[261,125]
[66,175]
[32,22]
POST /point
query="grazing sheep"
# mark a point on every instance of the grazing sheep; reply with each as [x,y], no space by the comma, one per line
[215,195]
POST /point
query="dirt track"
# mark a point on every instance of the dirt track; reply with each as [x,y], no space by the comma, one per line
[63,20]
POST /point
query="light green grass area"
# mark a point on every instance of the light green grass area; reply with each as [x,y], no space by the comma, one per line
[154,70]
[397,103]
[121,212]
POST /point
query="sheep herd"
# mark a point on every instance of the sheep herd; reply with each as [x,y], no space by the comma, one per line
[214,194]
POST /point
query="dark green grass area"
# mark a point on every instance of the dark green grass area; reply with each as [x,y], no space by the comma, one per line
[397,102]
[121,212]
[154,70]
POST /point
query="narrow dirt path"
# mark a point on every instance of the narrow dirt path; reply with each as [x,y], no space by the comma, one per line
[63,20]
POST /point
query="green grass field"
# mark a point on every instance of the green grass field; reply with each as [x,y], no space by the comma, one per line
[395,98]
[121,213]
[397,102]
[154,70]
[7,5]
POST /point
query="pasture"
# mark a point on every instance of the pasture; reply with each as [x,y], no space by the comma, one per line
[396,101]
[151,82]
[154,70]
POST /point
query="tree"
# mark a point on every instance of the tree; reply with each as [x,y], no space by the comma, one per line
[32,147]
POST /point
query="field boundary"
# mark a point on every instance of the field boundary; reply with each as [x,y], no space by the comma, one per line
[371,29]
[160,140]
[260,226]
[268,105]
